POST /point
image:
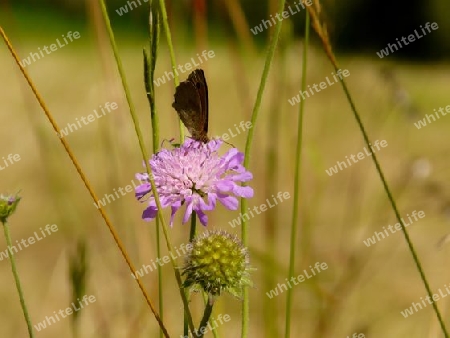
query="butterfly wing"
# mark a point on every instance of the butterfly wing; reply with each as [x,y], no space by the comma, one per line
[197,77]
[191,104]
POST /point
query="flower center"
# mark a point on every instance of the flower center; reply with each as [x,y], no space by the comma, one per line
[198,191]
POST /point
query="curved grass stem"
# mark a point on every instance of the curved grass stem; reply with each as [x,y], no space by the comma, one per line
[322,33]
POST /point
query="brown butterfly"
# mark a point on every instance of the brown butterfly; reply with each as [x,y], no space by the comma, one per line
[191,104]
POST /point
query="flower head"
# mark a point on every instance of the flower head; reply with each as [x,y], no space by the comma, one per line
[8,205]
[217,262]
[195,175]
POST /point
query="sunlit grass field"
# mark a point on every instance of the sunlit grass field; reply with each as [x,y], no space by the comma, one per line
[364,288]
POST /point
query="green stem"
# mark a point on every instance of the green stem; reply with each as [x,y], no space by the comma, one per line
[206,316]
[165,20]
[192,232]
[248,145]
[298,157]
[160,275]
[205,301]
[17,279]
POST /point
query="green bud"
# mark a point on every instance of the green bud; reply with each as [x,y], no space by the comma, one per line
[8,205]
[217,262]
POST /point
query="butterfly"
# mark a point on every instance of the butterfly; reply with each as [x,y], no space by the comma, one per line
[191,104]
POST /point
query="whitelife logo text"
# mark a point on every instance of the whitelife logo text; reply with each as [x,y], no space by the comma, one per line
[340,74]
[284,15]
[431,118]
[10,160]
[318,267]
[187,67]
[147,268]
[49,49]
[52,319]
[281,196]
[361,155]
[378,236]
[25,243]
[411,38]
[88,119]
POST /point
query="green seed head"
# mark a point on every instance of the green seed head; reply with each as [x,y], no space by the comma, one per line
[217,262]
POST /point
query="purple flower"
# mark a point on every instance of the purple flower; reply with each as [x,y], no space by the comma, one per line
[195,175]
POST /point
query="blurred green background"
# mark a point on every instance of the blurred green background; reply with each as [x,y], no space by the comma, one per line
[364,288]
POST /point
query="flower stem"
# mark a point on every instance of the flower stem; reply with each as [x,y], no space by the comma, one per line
[248,145]
[191,238]
[205,301]
[295,209]
[17,279]
[193,226]
[206,315]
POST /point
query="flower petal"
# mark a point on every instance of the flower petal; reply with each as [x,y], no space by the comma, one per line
[230,202]
[150,213]
[225,186]
[202,205]
[141,176]
[175,207]
[188,211]
[212,198]
[202,217]
[242,177]
[142,190]
[246,192]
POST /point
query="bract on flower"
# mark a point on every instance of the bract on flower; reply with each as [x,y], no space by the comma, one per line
[194,175]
